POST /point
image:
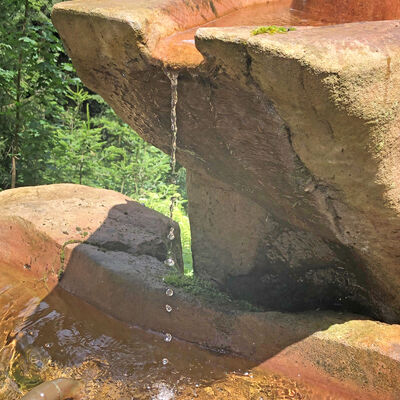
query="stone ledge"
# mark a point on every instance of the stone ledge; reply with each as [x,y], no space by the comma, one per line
[343,349]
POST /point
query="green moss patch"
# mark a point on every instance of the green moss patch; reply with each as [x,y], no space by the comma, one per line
[271,30]
[205,290]
[61,271]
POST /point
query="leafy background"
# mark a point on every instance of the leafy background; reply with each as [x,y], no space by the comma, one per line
[54,130]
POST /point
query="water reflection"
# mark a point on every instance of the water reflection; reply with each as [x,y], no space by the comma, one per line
[62,336]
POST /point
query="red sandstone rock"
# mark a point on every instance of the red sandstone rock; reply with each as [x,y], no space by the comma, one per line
[297,133]
[117,270]
[38,223]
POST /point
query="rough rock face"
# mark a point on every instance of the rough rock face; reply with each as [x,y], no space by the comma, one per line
[118,267]
[289,269]
[39,226]
[291,143]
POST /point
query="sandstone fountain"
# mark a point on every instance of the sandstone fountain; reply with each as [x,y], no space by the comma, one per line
[292,149]
[290,140]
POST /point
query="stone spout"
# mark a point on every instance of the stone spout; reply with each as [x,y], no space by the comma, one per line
[291,141]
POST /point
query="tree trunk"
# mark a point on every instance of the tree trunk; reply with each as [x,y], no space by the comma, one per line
[81,170]
[13,171]
[18,117]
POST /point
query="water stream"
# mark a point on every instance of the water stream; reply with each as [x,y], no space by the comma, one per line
[171,257]
[173,77]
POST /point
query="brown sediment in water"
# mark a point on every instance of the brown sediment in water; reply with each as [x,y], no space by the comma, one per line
[61,336]
[179,49]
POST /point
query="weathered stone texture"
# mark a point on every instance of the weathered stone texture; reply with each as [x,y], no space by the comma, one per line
[38,223]
[302,128]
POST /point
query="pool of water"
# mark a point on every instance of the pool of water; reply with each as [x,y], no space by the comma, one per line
[180,47]
[45,336]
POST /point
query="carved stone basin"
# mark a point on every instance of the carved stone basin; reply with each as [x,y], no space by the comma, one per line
[291,141]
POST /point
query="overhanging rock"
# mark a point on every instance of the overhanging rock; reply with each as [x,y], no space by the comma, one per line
[296,134]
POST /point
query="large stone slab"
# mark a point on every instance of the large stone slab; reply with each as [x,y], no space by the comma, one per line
[340,349]
[114,271]
[38,223]
[299,128]
[337,89]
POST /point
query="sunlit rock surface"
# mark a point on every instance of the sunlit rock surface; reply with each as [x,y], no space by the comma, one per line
[40,227]
[290,140]
[107,246]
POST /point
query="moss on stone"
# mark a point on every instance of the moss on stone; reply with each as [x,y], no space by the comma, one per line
[206,290]
[61,271]
[271,30]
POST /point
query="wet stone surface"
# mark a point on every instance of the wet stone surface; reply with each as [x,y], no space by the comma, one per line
[61,336]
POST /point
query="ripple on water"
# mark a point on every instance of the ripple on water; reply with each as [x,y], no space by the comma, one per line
[65,337]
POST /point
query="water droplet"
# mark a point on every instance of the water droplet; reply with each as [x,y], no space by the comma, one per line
[169,262]
[169,292]
[48,345]
[168,308]
[246,374]
[165,361]
[168,337]
[171,235]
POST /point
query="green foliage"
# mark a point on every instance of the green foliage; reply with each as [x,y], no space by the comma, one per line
[271,29]
[54,130]
[32,82]
[161,204]
[199,287]
[76,143]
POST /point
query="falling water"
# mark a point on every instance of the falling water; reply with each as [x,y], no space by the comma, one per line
[168,337]
[170,261]
[173,77]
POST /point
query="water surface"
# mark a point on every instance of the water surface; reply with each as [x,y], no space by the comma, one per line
[46,336]
[180,47]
